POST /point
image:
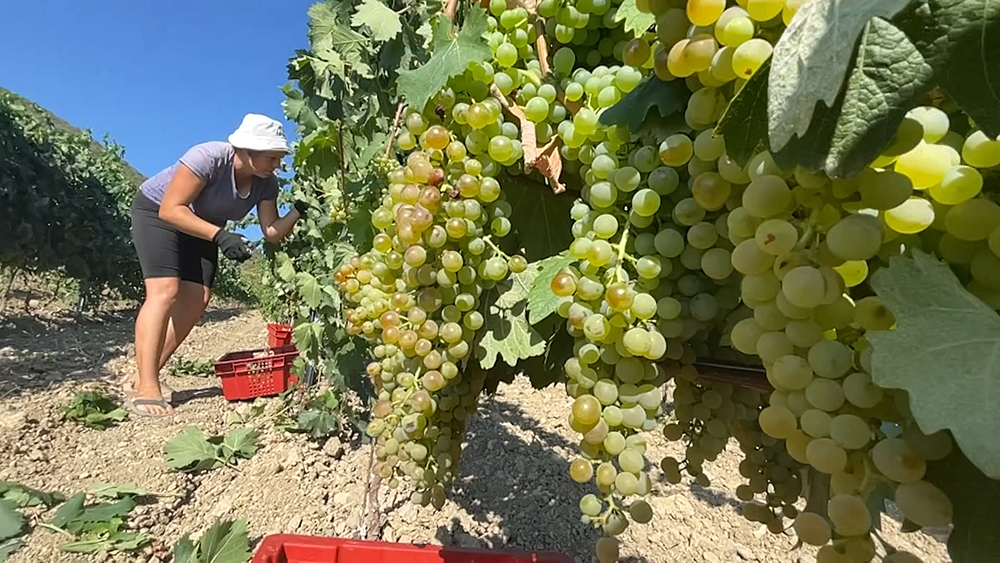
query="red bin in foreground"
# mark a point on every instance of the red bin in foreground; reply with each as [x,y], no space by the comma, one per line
[256,373]
[291,548]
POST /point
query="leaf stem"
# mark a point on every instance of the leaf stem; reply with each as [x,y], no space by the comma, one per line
[395,127]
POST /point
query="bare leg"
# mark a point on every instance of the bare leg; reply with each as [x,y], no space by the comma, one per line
[190,306]
[150,330]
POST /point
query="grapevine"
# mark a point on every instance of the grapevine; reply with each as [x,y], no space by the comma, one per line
[701,224]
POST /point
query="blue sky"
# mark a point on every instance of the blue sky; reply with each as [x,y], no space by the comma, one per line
[159,77]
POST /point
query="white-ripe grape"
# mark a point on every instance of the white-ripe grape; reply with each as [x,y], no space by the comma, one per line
[803,332]
[826,456]
[745,335]
[829,358]
[925,165]
[815,423]
[850,432]
[812,528]
[790,373]
[855,237]
[912,216]
[961,183]
[767,196]
[764,10]
[804,287]
[749,259]
[980,151]
[934,121]
[860,391]
[933,447]
[607,550]
[898,460]
[825,394]
[776,236]
[924,504]
[849,514]
[884,189]
[773,345]
[717,263]
[972,220]
[750,55]
[760,287]
[777,422]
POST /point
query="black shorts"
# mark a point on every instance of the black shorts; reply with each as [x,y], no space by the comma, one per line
[167,252]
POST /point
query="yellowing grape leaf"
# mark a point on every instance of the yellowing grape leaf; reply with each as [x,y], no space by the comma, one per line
[810,60]
[452,56]
[944,351]
[546,159]
[541,301]
[636,22]
[383,22]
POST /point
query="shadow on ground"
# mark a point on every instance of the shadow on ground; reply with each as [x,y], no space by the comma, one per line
[37,352]
[516,487]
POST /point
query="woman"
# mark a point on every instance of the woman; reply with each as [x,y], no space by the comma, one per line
[178,221]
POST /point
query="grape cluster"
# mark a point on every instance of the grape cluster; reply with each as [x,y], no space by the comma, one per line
[416,297]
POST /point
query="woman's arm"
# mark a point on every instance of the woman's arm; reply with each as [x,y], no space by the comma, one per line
[184,187]
[275,228]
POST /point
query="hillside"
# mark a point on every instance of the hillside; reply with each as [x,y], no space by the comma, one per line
[135,177]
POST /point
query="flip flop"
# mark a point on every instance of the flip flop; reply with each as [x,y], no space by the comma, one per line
[133,405]
[129,391]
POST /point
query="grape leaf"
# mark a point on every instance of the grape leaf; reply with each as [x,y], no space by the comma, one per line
[317,423]
[7,548]
[310,289]
[225,542]
[184,549]
[68,510]
[632,110]
[547,368]
[508,334]
[507,331]
[191,451]
[122,490]
[960,39]
[23,495]
[944,352]
[11,521]
[383,22]
[452,56]
[540,217]
[975,500]
[888,75]
[335,44]
[810,60]
[541,301]
[240,442]
[636,22]
[744,123]
[285,269]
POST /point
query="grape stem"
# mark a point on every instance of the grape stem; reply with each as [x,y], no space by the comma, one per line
[810,229]
[621,253]
[495,248]
[395,128]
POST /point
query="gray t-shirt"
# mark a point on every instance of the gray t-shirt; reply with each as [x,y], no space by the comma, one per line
[218,202]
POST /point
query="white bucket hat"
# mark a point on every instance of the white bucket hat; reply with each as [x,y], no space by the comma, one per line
[260,133]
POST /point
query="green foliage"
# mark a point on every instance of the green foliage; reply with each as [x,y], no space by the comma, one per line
[636,22]
[191,367]
[632,111]
[744,124]
[96,527]
[191,451]
[64,207]
[11,520]
[22,495]
[453,52]
[541,301]
[225,542]
[95,410]
[941,329]
[321,416]
[540,218]
[812,58]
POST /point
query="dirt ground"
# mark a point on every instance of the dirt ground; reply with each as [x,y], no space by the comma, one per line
[514,491]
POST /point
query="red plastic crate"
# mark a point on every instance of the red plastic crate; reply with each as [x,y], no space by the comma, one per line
[291,548]
[279,335]
[245,377]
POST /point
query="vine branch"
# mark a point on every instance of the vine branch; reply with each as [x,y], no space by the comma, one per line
[395,128]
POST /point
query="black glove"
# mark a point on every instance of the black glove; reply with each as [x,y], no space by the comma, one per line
[301,206]
[233,246]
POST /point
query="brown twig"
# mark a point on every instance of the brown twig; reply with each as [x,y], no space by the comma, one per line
[395,128]
[547,159]
[369,504]
[542,48]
